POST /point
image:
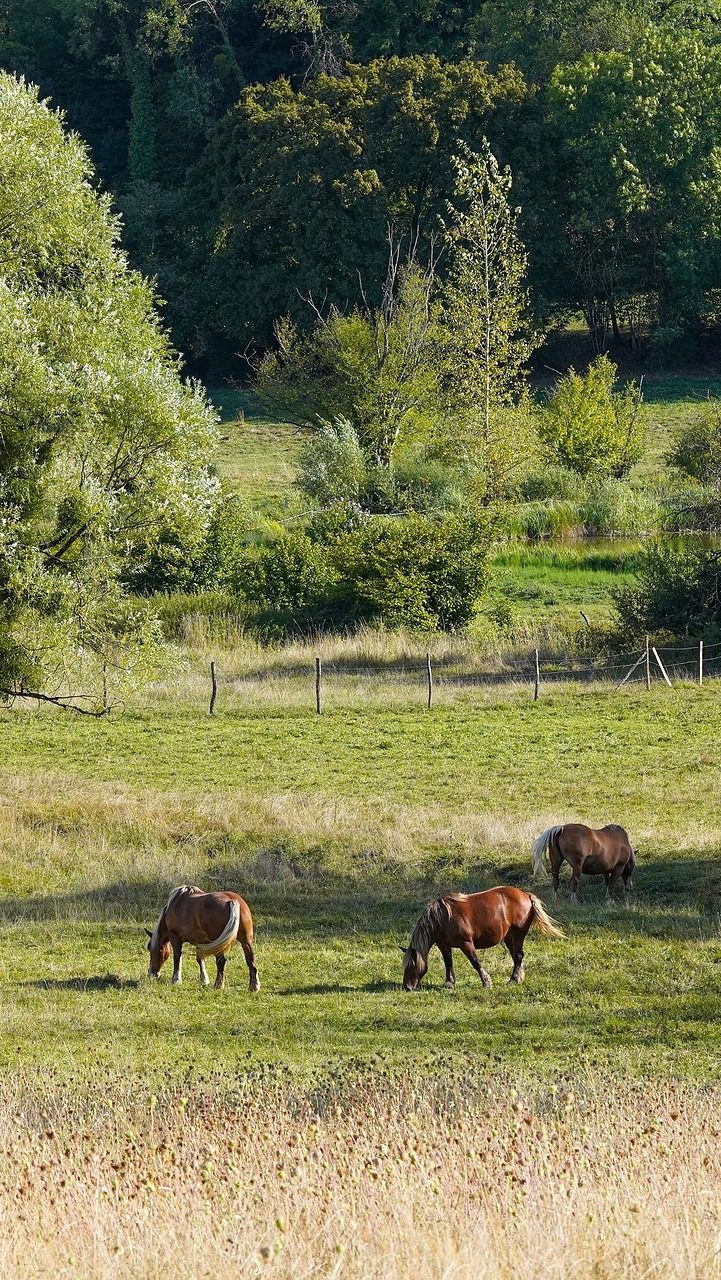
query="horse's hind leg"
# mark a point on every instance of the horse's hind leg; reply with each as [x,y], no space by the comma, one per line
[220,979]
[249,954]
[556,862]
[470,952]
[447,953]
[514,940]
[577,869]
[612,880]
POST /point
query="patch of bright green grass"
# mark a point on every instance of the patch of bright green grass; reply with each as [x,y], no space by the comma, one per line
[561,582]
[256,457]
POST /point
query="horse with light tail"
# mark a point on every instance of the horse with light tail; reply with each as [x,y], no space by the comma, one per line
[590,852]
[212,923]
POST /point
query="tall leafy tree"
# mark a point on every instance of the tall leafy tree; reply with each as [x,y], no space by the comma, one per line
[298,186]
[639,143]
[102,446]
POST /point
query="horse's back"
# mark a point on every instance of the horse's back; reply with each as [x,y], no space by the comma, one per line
[494,911]
[197,916]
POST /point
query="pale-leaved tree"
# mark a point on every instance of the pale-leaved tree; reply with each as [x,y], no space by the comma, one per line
[103,448]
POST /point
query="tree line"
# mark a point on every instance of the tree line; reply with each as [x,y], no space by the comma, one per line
[259,151]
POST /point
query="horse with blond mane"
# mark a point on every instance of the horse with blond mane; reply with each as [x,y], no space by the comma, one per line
[473,922]
[212,923]
[606,852]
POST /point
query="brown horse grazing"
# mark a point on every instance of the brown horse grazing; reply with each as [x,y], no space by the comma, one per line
[212,923]
[472,922]
[605,853]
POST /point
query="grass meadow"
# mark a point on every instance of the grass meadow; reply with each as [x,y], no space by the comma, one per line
[332,1125]
[337,829]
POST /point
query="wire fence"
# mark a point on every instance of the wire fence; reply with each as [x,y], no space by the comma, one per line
[653,663]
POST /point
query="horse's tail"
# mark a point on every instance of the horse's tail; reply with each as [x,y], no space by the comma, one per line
[630,869]
[225,941]
[541,845]
[543,920]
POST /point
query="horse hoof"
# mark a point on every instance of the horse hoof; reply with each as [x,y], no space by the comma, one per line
[255,986]
[449,986]
[488,982]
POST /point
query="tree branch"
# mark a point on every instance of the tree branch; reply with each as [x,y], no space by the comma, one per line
[59,700]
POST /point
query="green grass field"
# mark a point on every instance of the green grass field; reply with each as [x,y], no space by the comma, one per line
[337,829]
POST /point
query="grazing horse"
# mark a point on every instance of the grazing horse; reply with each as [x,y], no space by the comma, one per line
[212,923]
[605,853]
[470,921]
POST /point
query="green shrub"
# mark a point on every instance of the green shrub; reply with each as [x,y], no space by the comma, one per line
[552,481]
[414,572]
[332,464]
[227,536]
[426,484]
[588,427]
[291,575]
[678,592]
[696,448]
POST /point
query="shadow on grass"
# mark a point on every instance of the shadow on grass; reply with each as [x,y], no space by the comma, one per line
[98,982]
[672,897]
[341,988]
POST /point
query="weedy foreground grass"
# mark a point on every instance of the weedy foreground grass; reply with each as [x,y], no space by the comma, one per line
[433,1172]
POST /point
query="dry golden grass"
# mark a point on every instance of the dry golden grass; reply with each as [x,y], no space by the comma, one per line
[363,1177]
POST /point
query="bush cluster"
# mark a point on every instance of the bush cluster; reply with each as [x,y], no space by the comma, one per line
[678,593]
[415,571]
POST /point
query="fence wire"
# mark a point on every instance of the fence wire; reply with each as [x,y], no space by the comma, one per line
[555,670]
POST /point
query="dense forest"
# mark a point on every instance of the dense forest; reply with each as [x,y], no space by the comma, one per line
[259,149]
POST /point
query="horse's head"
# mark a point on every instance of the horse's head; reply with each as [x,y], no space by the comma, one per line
[414,966]
[159,952]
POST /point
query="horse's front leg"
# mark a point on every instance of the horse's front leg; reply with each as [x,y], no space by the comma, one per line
[204,979]
[177,945]
[220,977]
[470,952]
[447,953]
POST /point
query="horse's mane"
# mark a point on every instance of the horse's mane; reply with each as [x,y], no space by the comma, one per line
[182,888]
[432,920]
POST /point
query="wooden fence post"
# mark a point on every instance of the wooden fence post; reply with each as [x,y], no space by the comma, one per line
[537,689]
[214,692]
[318,691]
[429,673]
[700,661]
[648,663]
